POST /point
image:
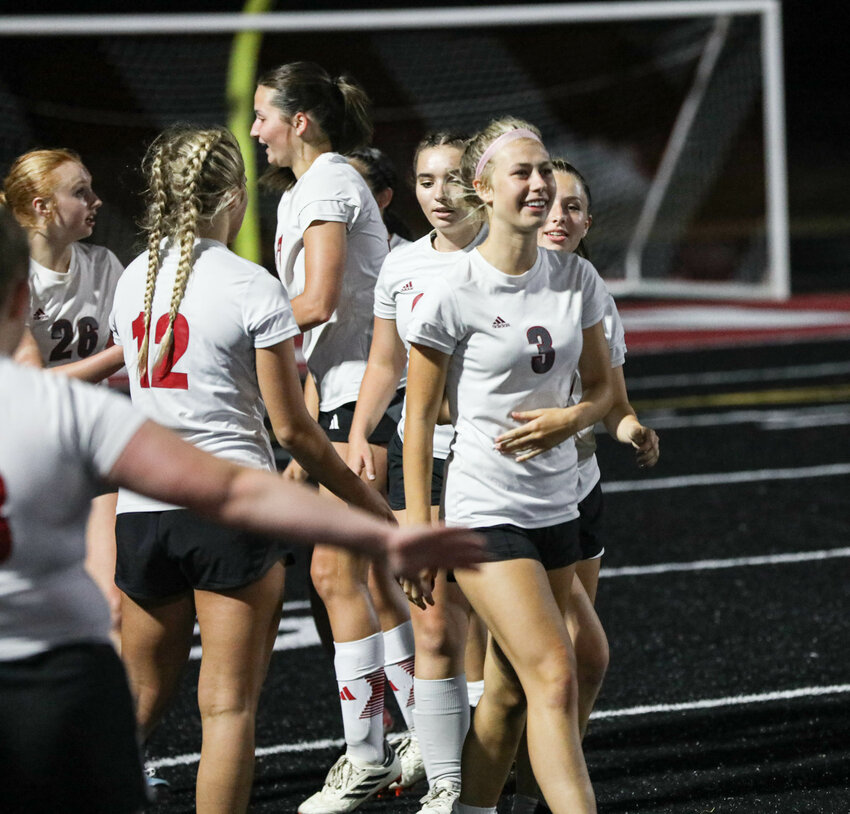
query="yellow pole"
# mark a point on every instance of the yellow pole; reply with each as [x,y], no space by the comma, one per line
[241,78]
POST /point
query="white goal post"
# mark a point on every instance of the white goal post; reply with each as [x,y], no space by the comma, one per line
[648,259]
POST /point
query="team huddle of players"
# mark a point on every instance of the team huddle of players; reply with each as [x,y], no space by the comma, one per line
[457,377]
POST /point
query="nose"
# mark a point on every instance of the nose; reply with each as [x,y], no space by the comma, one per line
[255,129]
[94,202]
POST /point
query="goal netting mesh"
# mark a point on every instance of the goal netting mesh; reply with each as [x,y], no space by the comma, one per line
[666,118]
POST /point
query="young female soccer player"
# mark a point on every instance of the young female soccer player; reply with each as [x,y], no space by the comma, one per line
[207,342]
[67,730]
[506,329]
[329,247]
[564,231]
[441,705]
[71,288]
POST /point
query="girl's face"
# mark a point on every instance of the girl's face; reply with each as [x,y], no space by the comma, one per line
[434,166]
[521,186]
[568,219]
[271,130]
[73,205]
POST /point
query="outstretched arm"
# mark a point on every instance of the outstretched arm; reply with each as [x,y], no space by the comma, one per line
[261,501]
[94,368]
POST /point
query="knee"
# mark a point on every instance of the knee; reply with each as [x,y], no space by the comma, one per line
[226,701]
[336,577]
[436,635]
[553,679]
[592,661]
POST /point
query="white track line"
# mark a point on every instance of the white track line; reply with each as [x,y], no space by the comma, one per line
[653,709]
[791,419]
[722,478]
[732,562]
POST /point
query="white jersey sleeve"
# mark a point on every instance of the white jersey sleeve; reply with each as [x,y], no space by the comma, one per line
[69,312]
[336,351]
[210,394]
[60,439]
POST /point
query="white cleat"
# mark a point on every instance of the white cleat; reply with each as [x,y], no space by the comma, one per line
[440,798]
[406,746]
[350,783]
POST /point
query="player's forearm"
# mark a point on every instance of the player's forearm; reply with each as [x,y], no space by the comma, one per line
[94,368]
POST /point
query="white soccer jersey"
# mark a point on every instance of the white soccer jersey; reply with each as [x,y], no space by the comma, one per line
[588,466]
[515,343]
[210,397]
[332,190]
[405,275]
[59,438]
[69,312]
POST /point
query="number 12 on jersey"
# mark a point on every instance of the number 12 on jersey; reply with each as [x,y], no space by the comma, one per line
[163,374]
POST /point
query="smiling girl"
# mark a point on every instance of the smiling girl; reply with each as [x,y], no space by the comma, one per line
[506,328]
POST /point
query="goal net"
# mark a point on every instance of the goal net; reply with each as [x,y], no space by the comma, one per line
[671,110]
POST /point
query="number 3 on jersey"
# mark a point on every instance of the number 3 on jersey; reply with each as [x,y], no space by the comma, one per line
[163,374]
[5,530]
[543,360]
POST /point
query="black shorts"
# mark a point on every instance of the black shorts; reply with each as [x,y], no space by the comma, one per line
[337,422]
[68,734]
[590,524]
[395,476]
[161,554]
[554,546]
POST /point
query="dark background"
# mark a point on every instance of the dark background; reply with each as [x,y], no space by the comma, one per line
[817,75]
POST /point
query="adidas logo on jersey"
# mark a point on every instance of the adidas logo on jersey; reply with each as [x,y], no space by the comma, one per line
[39,315]
[498,322]
[334,425]
[408,286]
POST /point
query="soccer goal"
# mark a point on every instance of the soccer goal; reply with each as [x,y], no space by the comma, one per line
[673,111]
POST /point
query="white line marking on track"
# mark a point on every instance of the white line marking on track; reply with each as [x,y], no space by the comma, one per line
[732,562]
[827,416]
[721,478]
[650,709]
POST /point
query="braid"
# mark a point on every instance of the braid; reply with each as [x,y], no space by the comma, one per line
[156,216]
[187,228]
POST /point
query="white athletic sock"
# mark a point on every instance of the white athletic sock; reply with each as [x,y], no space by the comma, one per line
[359,670]
[475,689]
[522,804]
[398,665]
[462,808]
[442,720]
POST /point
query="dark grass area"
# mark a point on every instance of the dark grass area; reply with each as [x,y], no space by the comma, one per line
[676,638]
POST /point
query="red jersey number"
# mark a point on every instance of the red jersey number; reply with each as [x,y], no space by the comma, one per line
[164,374]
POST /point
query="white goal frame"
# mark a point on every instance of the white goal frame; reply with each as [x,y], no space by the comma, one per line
[776,282]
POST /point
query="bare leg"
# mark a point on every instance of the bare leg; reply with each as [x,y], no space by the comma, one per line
[155,641]
[237,635]
[100,556]
[533,638]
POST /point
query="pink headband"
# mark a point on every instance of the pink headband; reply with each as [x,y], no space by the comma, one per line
[505,138]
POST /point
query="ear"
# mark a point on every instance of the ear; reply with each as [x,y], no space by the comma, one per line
[483,191]
[384,197]
[300,121]
[41,207]
[587,224]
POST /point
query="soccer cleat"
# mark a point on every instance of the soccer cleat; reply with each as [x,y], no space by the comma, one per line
[440,797]
[406,746]
[350,783]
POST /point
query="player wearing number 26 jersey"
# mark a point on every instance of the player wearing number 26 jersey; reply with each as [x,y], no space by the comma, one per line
[69,314]
[515,342]
[210,396]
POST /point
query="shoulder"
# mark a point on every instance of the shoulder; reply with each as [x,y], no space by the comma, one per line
[97,256]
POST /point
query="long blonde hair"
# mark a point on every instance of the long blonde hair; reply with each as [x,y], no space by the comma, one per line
[193,174]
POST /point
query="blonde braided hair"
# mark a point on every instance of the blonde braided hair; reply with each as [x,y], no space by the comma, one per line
[193,175]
